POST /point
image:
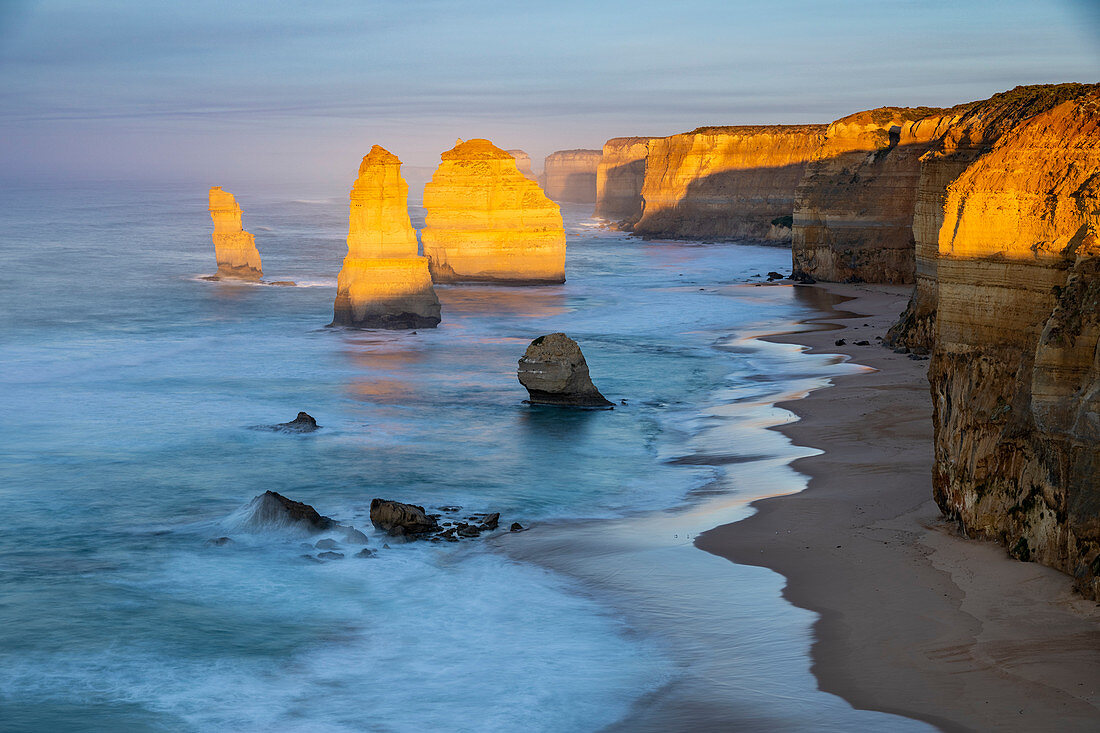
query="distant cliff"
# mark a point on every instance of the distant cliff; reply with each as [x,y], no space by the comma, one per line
[619,179]
[726,182]
[571,175]
[1015,370]
[523,163]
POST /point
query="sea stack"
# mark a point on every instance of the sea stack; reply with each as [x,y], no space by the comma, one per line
[487,223]
[571,175]
[523,163]
[384,283]
[234,248]
[554,372]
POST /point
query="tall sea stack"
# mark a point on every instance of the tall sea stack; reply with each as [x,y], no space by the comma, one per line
[486,222]
[383,283]
[571,175]
[234,248]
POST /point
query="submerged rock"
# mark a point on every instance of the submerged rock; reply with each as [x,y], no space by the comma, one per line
[555,373]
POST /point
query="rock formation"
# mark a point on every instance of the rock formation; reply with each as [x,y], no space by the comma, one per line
[234,248]
[619,179]
[571,175]
[725,182]
[1015,370]
[554,372]
[853,214]
[486,222]
[523,163]
[270,510]
[383,283]
[412,521]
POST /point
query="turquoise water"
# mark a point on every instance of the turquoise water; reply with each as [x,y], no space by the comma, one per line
[130,387]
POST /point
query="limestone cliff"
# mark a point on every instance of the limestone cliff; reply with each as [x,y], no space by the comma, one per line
[486,222]
[571,175]
[726,182]
[619,179]
[523,163]
[853,213]
[1015,371]
[383,283]
[234,248]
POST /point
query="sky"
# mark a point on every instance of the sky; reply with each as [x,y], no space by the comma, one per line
[254,90]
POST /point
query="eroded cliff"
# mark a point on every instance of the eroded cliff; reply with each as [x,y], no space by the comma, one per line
[384,283]
[619,179]
[571,175]
[234,248]
[486,222]
[733,183]
[523,163]
[1015,371]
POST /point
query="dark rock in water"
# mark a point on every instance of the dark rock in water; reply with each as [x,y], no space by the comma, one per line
[555,373]
[331,556]
[304,423]
[839,342]
[365,553]
[490,521]
[219,542]
[774,276]
[400,519]
[283,283]
[311,558]
[516,527]
[804,278]
[468,531]
[863,343]
[450,508]
[326,544]
[270,509]
[622,402]
[354,537]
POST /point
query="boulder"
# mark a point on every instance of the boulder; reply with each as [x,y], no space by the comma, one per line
[554,372]
[270,509]
[401,519]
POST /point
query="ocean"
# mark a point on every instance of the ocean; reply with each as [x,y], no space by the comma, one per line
[132,389]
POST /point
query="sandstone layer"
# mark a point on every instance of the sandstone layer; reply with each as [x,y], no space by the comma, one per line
[234,248]
[554,371]
[523,163]
[571,175]
[486,222]
[1015,371]
[384,283]
[853,213]
[726,182]
[619,179]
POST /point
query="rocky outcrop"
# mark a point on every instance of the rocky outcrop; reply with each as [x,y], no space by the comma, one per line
[486,222]
[1015,371]
[619,179]
[384,283]
[523,163]
[554,372]
[571,175]
[412,522]
[271,510]
[234,248]
[725,182]
[853,213]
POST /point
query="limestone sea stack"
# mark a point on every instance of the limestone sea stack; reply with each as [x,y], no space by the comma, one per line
[571,175]
[523,163]
[234,248]
[384,283]
[554,372]
[619,179]
[485,222]
[727,183]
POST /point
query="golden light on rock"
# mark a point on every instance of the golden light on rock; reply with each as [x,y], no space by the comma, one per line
[234,248]
[486,222]
[384,283]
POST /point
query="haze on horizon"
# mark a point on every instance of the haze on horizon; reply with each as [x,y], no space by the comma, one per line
[300,91]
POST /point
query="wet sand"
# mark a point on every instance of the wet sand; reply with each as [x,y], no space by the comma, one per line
[913,619]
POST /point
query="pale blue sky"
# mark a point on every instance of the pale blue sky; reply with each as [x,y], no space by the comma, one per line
[240,91]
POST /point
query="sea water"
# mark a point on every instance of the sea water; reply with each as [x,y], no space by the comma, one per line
[132,388]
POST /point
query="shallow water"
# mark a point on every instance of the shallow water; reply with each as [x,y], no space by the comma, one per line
[131,387]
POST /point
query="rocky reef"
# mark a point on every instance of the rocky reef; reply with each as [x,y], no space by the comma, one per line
[619,180]
[571,175]
[384,283]
[486,222]
[554,371]
[523,163]
[853,212]
[234,248]
[726,182]
[1015,288]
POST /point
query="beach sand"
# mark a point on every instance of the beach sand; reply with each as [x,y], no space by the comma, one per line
[914,619]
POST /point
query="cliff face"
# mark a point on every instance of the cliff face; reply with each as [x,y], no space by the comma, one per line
[486,222]
[1015,371]
[853,214]
[234,248]
[619,179]
[726,182]
[571,175]
[383,283]
[523,163]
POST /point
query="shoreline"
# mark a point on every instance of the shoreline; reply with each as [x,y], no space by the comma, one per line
[912,619]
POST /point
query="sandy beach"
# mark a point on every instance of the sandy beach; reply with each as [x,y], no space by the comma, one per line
[913,619]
